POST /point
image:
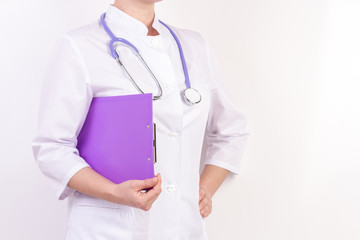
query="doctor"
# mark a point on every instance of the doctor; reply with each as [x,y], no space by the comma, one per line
[81,67]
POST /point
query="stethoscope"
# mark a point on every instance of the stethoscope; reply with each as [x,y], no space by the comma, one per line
[191,95]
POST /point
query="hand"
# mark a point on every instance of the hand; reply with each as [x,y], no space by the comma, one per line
[205,202]
[129,192]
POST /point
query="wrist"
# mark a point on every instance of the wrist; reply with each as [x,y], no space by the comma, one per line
[109,192]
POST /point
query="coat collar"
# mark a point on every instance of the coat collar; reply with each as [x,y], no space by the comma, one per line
[122,22]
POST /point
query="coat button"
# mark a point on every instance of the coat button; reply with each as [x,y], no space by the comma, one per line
[173,134]
[171,188]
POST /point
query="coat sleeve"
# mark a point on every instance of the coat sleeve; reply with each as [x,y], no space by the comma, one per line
[226,133]
[65,98]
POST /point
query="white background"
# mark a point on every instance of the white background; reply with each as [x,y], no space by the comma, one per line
[291,66]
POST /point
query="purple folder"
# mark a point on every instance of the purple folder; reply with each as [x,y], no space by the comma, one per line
[117,138]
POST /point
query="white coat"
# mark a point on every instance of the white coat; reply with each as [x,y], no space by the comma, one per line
[81,67]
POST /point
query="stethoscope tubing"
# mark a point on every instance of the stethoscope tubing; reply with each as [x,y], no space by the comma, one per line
[187,81]
[116,56]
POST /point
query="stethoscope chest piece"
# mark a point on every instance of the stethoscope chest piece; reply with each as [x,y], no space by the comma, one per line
[191,96]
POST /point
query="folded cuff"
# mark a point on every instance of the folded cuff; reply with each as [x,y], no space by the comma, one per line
[65,191]
[227,166]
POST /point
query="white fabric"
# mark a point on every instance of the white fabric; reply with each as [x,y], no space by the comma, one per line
[81,67]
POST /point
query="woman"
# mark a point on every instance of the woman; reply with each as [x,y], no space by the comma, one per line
[81,67]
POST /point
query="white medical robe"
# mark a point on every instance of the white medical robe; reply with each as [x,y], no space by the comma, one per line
[81,67]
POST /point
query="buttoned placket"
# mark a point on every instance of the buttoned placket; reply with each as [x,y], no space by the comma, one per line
[169,132]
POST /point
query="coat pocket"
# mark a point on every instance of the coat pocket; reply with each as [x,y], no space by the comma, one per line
[90,222]
[81,199]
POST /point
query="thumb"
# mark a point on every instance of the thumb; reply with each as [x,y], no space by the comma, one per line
[147,183]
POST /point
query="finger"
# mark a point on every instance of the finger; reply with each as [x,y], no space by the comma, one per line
[203,211]
[206,214]
[157,181]
[201,193]
[157,186]
[203,202]
[206,210]
[206,203]
[156,190]
[143,184]
[153,193]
